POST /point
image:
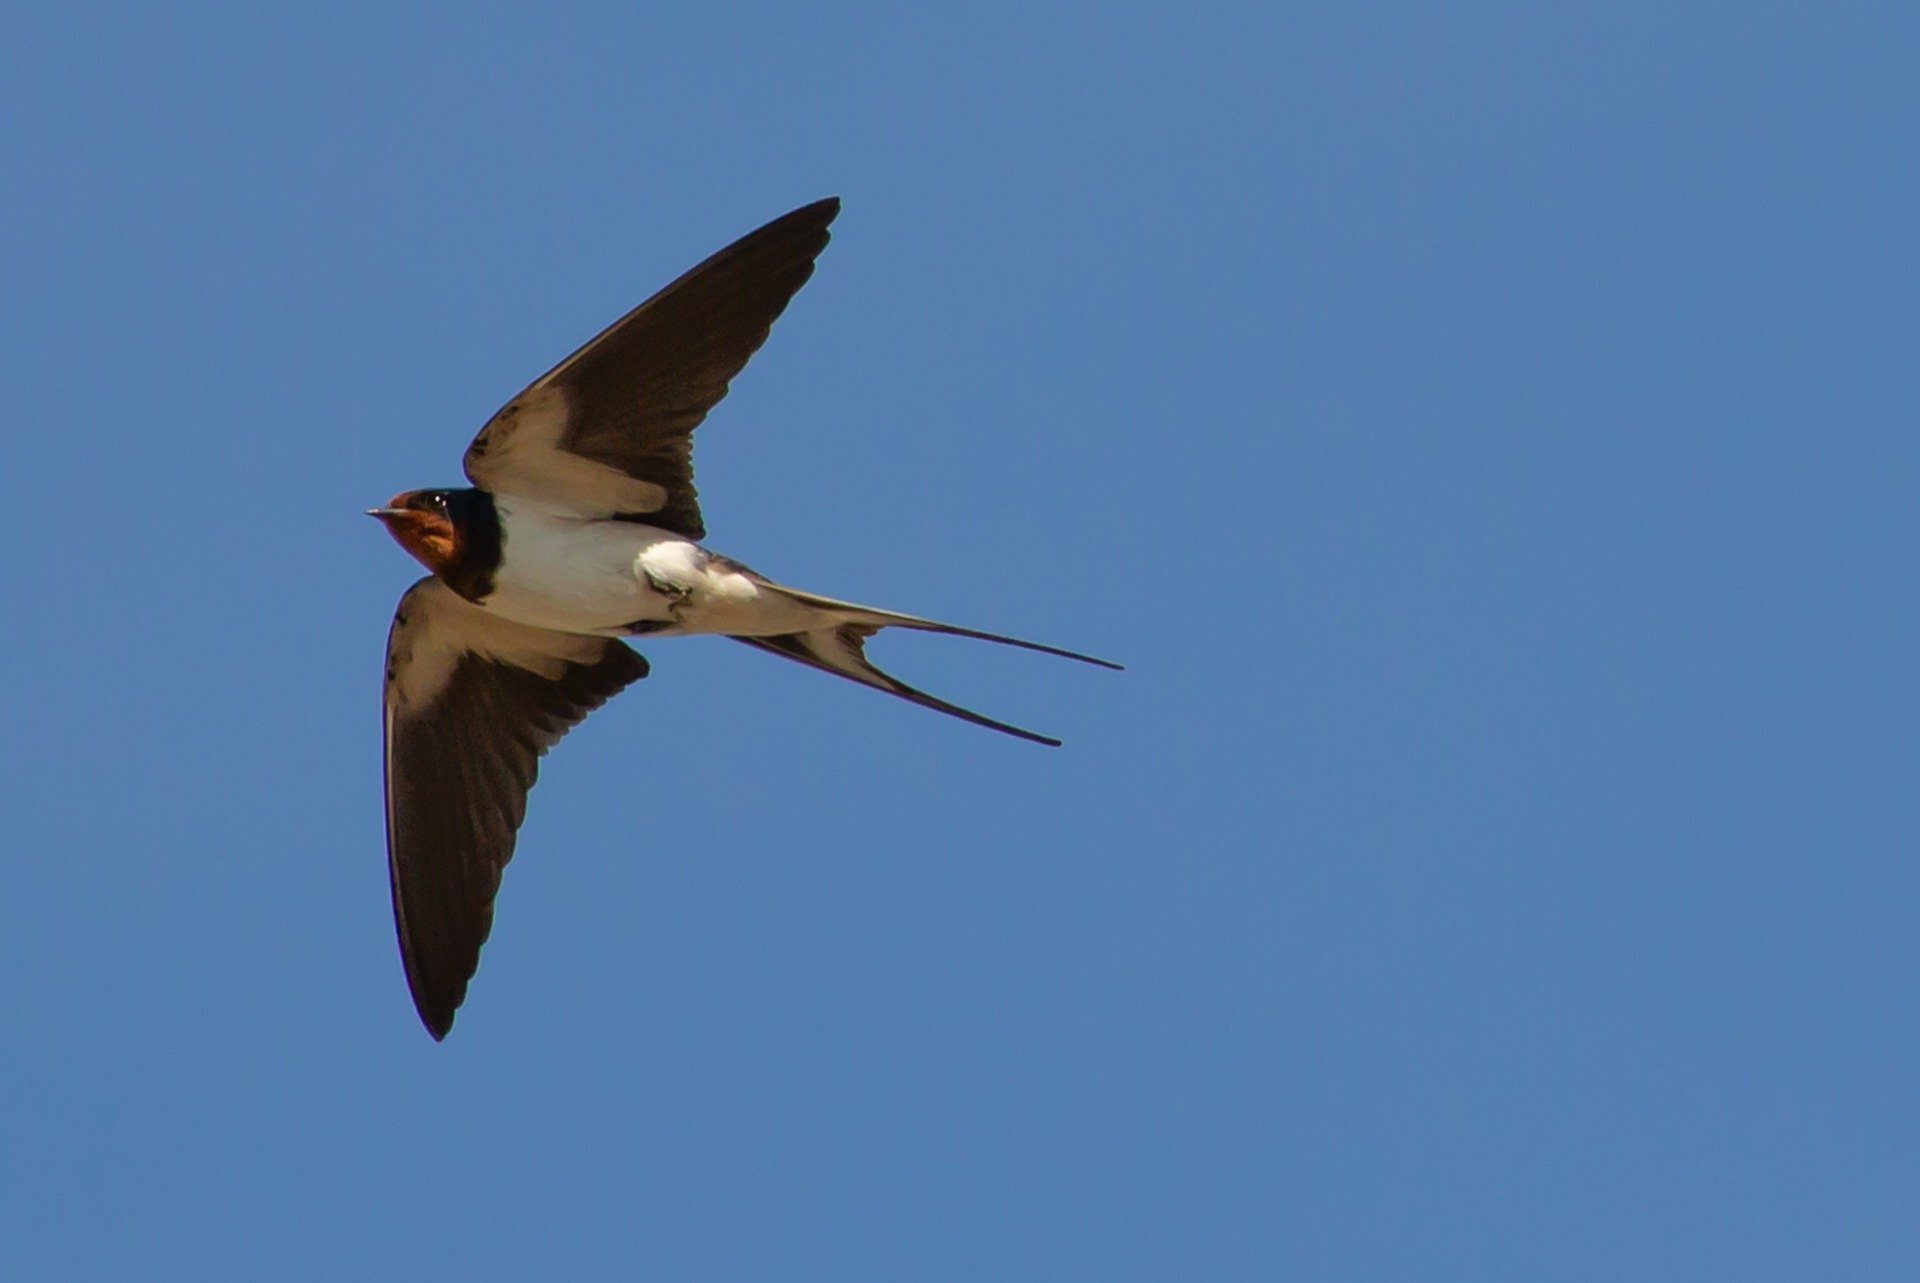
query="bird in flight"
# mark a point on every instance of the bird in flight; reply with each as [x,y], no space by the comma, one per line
[582,528]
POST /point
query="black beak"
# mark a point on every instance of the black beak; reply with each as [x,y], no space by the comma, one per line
[384,513]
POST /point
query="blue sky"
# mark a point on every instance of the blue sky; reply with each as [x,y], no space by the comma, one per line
[1486,432]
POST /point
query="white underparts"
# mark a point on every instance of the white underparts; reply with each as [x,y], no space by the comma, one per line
[612,578]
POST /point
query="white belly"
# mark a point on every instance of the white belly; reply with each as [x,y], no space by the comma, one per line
[613,578]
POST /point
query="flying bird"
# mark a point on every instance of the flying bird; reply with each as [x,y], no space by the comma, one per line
[582,528]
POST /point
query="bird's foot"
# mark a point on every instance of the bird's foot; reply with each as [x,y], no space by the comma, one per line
[678,596]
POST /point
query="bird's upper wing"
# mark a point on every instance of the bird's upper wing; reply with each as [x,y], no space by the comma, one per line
[472,701]
[608,430]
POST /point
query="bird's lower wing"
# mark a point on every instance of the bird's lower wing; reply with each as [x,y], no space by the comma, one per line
[472,701]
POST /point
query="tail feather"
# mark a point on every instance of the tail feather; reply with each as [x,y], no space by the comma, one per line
[873,619]
[841,650]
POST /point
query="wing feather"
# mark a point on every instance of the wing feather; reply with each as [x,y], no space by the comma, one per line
[472,702]
[609,430]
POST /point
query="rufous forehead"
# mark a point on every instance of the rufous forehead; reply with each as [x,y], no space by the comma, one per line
[400,500]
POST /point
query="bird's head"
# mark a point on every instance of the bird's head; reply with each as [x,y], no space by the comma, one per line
[419,521]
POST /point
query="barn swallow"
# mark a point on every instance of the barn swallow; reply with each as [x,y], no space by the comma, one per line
[582,528]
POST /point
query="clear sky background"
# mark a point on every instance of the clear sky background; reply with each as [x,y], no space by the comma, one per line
[1485,431]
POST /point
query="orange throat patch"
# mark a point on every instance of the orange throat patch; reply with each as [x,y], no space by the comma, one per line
[428,536]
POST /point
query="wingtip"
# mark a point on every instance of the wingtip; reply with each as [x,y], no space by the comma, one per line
[437,1021]
[822,211]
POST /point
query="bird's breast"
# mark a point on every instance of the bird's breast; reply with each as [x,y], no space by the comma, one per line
[573,574]
[614,578]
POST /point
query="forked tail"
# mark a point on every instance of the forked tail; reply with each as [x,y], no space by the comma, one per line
[840,648]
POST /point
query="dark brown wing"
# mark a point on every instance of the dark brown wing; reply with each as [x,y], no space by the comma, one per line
[472,701]
[609,429]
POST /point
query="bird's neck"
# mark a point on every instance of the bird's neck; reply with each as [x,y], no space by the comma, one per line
[476,545]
